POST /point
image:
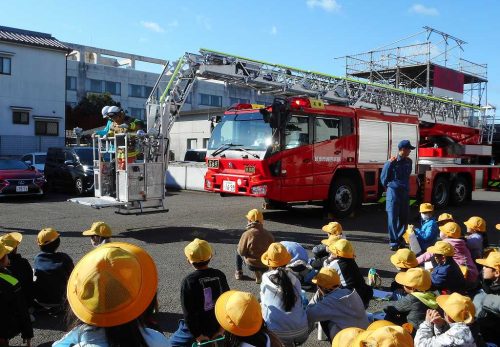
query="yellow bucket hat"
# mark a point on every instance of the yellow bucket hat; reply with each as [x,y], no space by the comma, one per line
[404,258]
[11,239]
[276,255]
[426,207]
[445,217]
[380,324]
[342,248]
[458,307]
[112,284]
[326,278]
[239,313]
[198,251]
[417,278]
[476,223]
[255,216]
[497,226]
[331,239]
[99,229]
[452,230]
[333,228]
[4,250]
[47,235]
[387,336]
[492,260]
[346,337]
[443,248]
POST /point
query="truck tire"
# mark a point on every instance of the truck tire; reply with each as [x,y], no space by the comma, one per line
[440,192]
[459,191]
[274,205]
[343,197]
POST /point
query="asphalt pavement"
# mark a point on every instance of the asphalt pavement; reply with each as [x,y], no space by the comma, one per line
[219,220]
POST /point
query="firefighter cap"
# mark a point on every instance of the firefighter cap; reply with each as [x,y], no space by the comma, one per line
[405,144]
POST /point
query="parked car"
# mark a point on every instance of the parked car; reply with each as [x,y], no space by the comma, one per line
[70,169]
[19,178]
[37,159]
[197,155]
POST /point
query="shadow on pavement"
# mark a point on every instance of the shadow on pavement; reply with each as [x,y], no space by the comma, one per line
[168,321]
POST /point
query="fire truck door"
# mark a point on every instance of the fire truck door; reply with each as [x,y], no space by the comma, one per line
[327,154]
[297,161]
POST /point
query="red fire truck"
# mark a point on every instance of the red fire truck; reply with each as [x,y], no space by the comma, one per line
[302,150]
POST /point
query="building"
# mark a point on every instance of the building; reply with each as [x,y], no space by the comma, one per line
[32,91]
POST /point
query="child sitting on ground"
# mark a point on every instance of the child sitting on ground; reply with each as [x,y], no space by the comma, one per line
[428,232]
[100,233]
[280,298]
[335,307]
[477,238]
[52,270]
[413,307]
[299,265]
[452,233]
[342,261]
[253,243]
[403,260]
[454,329]
[334,232]
[19,267]
[446,275]
[199,292]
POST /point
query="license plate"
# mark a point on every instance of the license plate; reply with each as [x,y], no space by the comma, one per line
[21,189]
[229,186]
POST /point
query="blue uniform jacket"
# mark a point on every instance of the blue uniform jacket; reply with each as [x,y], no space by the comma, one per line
[427,234]
[448,276]
[396,174]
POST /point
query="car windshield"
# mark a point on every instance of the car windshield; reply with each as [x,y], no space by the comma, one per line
[40,159]
[12,165]
[85,155]
[247,130]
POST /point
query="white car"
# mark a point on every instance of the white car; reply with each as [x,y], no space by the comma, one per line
[37,159]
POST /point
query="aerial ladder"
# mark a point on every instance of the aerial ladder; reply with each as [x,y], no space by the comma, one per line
[140,186]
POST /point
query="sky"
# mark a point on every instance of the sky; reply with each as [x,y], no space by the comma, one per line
[307,34]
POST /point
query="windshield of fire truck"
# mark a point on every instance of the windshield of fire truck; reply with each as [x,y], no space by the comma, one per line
[247,130]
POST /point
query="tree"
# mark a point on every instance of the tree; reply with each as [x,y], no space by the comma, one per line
[87,114]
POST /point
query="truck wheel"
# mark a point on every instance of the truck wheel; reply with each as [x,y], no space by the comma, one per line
[459,191]
[78,186]
[343,197]
[440,192]
[274,205]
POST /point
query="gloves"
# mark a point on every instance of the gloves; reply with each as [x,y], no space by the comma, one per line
[123,126]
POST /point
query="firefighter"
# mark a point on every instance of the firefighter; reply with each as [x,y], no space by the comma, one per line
[395,177]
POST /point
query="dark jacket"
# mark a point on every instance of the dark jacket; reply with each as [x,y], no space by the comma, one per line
[14,317]
[411,308]
[351,277]
[448,277]
[22,271]
[487,303]
[52,271]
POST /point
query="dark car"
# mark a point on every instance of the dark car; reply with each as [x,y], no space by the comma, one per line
[19,178]
[197,155]
[70,169]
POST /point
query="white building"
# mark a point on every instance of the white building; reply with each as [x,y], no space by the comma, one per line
[32,91]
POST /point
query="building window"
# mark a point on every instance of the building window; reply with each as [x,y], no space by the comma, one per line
[46,128]
[70,83]
[233,101]
[135,90]
[94,86]
[113,88]
[192,143]
[147,91]
[136,112]
[210,100]
[205,142]
[5,65]
[20,117]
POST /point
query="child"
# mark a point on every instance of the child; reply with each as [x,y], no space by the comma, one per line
[389,336]
[298,264]
[240,315]
[19,267]
[332,229]
[413,307]
[444,218]
[342,254]
[403,260]
[346,337]
[454,329]
[428,232]
[253,243]
[487,301]
[452,233]
[199,292]
[100,233]
[280,298]
[335,307]
[477,238]
[14,317]
[446,275]
[127,275]
[51,269]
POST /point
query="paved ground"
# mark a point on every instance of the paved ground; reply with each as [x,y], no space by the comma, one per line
[216,219]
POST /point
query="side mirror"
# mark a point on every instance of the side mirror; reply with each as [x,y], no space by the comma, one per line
[265,115]
[278,113]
